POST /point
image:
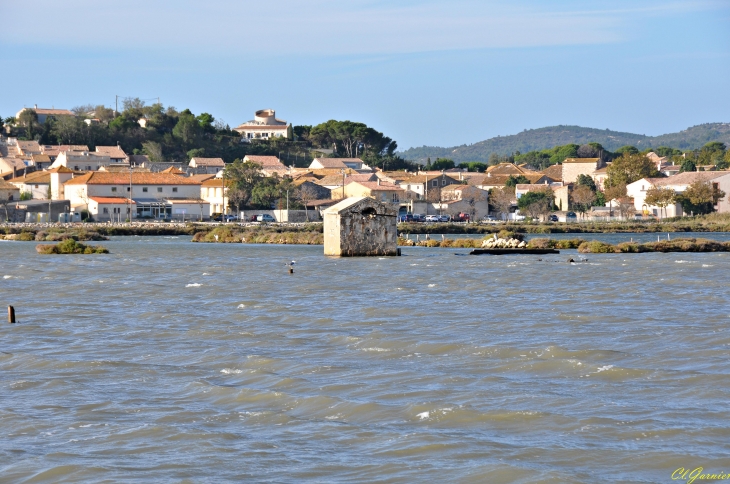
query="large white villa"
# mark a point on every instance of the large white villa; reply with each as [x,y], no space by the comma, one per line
[264,125]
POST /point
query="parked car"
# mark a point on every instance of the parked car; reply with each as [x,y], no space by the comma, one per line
[552,218]
[218,217]
[444,218]
[432,218]
[419,217]
[489,218]
[460,217]
[265,217]
[405,218]
[570,215]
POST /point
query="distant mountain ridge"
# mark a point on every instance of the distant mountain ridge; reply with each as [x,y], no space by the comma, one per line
[544,138]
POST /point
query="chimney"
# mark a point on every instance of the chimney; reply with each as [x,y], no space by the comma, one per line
[378,181]
[35,106]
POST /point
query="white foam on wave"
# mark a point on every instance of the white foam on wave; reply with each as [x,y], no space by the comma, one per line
[424,415]
[231,371]
[194,285]
[375,349]
[432,285]
[7,277]
[205,274]
[604,368]
[708,265]
[683,261]
[241,306]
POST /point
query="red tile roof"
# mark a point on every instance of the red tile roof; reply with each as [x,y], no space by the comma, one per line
[208,161]
[107,178]
[112,200]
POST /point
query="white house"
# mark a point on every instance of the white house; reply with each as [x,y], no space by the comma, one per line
[678,183]
[264,125]
[269,164]
[156,195]
[208,165]
[339,163]
[115,153]
[36,183]
[81,160]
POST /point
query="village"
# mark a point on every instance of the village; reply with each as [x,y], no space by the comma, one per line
[72,183]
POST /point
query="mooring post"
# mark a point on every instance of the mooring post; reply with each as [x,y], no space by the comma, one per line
[291,270]
[11,314]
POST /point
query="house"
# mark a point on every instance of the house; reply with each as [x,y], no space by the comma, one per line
[81,160]
[382,191]
[600,176]
[37,184]
[207,165]
[211,191]
[339,164]
[360,226]
[426,186]
[561,192]
[313,190]
[58,177]
[114,209]
[44,113]
[554,172]
[8,191]
[11,166]
[52,151]
[269,164]
[574,167]
[115,153]
[156,195]
[498,181]
[27,148]
[41,162]
[264,125]
[139,160]
[333,182]
[467,199]
[679,183]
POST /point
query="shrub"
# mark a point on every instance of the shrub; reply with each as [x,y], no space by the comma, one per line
[70,246]
[541,244]
[596,247]
[568,243]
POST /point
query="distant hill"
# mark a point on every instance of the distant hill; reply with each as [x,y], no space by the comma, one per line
[543,138]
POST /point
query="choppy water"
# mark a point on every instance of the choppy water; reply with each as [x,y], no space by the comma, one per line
[172,361]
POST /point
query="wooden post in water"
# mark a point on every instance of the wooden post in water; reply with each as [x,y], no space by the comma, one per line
[11,314]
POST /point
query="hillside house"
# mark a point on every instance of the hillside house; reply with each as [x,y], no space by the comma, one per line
[264,125]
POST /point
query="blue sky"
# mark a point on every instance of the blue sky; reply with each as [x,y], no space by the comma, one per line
[423,72]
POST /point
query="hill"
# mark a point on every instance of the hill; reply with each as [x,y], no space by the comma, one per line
[543,138]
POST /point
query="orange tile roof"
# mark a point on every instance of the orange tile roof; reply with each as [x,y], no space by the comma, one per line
[111,151]
[208,161]
[581,160]
[383,186]
[264,160]
[47,112]
[138,178]
[37,177]
[113,200]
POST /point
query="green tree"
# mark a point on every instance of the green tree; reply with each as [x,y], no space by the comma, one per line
[586,181]
[265,192]
[537,203]
[560,153]
[628,168]
[206,122]
[582,198]
[631,150]
[443,164]
[513,181]
[700,198]
[187,128]
[660,197]
[473,166]
[28,119]
[687,165]
[241,178]
[428,166]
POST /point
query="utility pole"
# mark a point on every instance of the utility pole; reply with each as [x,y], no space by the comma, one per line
[116,104]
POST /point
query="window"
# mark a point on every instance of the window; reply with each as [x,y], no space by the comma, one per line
[106,210]
[129,189]
[36,186]
[435,183]
[88,167]
[127,210]
[144,189]
[114,189]
[443,183]
[174,189]
[159,189]
[395,197]
[76,167]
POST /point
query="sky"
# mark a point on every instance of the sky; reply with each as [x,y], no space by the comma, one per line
[423,72]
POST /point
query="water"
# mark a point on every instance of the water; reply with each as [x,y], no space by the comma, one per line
[173,361]
[615,238]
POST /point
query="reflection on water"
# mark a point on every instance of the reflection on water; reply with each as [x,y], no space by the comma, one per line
[167,360]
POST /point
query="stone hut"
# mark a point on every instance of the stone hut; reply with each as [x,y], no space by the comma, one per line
[360,226]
